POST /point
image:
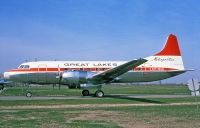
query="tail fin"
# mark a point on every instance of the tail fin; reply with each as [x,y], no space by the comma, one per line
[169,58]
[171,47]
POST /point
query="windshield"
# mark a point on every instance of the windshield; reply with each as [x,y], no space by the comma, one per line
[24,67]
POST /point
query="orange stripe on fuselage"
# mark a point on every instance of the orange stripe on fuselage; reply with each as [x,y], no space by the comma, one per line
[88,69]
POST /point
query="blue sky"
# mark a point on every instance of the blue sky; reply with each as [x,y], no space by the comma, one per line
[97,30]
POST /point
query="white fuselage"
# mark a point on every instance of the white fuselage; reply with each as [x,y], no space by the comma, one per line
[48,72]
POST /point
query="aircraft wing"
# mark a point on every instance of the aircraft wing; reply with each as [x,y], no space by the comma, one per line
[109,75]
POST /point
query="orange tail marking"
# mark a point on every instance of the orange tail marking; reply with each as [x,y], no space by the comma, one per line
[171,47]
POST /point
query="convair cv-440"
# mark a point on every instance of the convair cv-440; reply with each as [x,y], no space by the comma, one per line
[93,74]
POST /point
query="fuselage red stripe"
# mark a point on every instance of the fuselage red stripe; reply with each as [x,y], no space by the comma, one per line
[87,69]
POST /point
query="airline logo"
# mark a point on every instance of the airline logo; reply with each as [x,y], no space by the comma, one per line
[104,64]
[163,59]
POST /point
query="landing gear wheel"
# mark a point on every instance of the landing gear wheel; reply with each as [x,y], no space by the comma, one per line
[28,94]
[99,93]
[85,93]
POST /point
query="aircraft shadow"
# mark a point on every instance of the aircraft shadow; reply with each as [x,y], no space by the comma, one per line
[134,99]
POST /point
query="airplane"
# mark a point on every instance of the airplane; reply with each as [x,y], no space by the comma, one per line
[94,74]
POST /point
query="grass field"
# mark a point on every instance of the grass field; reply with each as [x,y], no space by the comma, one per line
[108,89]
[98,112]
[107,117]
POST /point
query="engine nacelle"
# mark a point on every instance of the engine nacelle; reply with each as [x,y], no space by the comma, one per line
[74,78]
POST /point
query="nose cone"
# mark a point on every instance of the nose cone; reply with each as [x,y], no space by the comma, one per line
[6,75]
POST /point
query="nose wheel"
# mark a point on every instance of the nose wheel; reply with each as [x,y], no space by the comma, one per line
[28,94]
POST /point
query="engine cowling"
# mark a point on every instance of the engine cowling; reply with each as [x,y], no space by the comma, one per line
[74,78]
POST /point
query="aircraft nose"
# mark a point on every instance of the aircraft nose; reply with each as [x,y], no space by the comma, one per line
[6,75]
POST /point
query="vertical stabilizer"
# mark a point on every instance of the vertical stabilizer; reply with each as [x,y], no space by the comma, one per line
[169,58]
[171,47]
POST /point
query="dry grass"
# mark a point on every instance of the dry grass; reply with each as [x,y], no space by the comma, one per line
[126,120]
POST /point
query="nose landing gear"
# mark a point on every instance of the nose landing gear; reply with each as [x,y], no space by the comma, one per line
[28,94]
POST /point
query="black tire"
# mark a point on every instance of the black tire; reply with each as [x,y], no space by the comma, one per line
[99,93]
[85,93]
[28,94]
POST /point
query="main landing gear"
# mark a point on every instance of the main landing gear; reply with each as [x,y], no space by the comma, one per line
[85,93]
[98,93]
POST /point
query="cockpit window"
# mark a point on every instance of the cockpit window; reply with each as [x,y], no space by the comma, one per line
[24,66]
[21,66]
